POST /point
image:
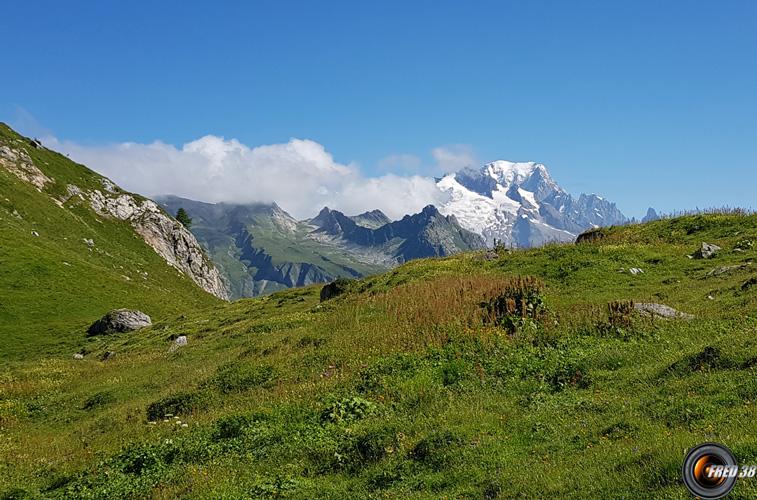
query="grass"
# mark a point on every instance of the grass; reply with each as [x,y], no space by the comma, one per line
[404,387]
[52,284]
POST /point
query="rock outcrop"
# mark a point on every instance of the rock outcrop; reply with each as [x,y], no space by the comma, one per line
[165,235]
[592,235]
[720,271]
[335,289]
[169,238]
[18,162]
[119,320]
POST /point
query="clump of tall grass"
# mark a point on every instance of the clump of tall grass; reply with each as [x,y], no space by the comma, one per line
[426,313]
[619,313]
[519,297]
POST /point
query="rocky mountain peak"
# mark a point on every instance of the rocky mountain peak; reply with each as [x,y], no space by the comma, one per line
[373,219]
[651,215]
[521,205]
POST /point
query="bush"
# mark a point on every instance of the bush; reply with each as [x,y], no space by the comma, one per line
[347,410]
[240,377]
[181,403]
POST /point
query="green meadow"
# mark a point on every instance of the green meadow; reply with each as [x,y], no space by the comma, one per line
[522,374]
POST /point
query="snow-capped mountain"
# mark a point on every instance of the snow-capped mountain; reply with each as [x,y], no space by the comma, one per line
[520,205]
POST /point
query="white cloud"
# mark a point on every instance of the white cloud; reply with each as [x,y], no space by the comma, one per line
[301,176]
[454,157]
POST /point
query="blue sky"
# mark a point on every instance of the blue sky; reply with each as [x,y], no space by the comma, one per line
[646,103]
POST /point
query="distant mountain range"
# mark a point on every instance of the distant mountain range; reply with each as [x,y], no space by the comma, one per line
[260,248]
[520,205]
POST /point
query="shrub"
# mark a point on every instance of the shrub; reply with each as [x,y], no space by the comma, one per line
[240,377]
[180,403]
[347,410]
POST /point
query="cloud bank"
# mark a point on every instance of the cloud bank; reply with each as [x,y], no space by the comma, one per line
[300,175]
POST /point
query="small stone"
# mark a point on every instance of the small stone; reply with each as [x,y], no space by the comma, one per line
[89,242]
[185,425]
[635,271]
[78,355]
[180,341]
[107,355]
[35,233]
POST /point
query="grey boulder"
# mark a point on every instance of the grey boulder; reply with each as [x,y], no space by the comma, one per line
[119,320]
[706,251]
[660,311]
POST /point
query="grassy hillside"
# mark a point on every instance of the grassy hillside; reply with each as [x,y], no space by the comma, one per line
[52,284]
[405,387]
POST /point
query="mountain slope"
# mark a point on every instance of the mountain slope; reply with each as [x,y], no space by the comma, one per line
[73,246]
[372,220]
[426,234]
[260,248]
[520,205]
[402,388]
